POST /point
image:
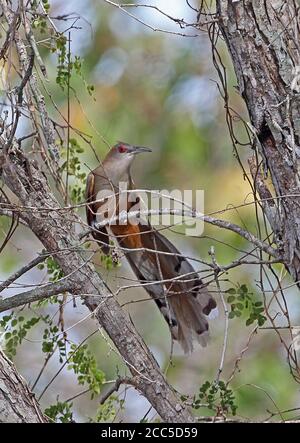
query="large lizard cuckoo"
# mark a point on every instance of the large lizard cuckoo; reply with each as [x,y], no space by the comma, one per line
[165,274]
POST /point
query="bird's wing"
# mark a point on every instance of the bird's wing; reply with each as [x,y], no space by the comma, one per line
[100,235]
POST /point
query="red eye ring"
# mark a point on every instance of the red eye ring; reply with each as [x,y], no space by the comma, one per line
[122,149]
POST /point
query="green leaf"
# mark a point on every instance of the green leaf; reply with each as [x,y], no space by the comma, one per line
[243,289]
[261,320]
[231,299]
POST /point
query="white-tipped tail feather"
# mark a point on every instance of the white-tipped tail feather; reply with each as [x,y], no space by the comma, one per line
[172,282]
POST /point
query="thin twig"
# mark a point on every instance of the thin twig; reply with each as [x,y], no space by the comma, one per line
[36,261]
[115,387]
[226,326]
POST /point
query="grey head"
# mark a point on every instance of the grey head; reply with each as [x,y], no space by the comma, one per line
[119,159]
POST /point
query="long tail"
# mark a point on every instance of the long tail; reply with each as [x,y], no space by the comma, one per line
[172,282]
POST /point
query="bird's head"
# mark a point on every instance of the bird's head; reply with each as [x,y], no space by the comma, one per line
[125,150]
[122,155]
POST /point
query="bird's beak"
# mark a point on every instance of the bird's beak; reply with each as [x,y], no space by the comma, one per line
[139,149]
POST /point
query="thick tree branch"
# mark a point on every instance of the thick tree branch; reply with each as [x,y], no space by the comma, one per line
[17,403]
[263,40]
[47,125]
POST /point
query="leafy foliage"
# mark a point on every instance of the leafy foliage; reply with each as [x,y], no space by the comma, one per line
[60,412]
[217,397]
[15,330]
[108,411]
[52,339]
[243,302]
[73,167]
[53,269]
[66,65]
[39,22]
[84,365]
[63,71]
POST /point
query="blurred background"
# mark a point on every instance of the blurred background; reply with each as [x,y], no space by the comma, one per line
[157,89]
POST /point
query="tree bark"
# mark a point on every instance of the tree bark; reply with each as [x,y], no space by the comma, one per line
[17,403]
[263,40]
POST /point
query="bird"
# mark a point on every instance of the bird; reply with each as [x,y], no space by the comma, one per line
[167,276]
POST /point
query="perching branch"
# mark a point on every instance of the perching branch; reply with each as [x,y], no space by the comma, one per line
[193,214]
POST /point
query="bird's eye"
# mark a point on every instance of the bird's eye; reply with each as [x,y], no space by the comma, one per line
[122,149]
